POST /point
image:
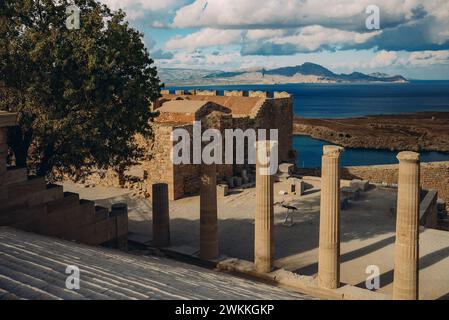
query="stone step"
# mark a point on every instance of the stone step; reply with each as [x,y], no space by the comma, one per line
[31,185]
[68,200]
[87,206]
[24,218]
[14,175]
[77,221]
[50,193]
[53,221]
[101,213]
[87,211]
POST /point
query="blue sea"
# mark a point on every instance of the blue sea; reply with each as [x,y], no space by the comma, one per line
[353,100]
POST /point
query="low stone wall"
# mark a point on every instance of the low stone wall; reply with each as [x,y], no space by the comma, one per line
[428,216]
[434,175]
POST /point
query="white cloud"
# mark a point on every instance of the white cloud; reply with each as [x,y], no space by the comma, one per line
[272,33]
[307,39]
[392,59]
[313,38]
[222,59]
[285,27]
[151,5]
[426,58]
[205,38]
[258,34]
[383,59]
[158,24]
[292,13]
[140,8]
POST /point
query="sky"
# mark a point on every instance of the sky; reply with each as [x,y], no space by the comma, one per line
[407,37]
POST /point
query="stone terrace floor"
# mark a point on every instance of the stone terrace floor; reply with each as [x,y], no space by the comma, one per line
[33,267]
[367,233]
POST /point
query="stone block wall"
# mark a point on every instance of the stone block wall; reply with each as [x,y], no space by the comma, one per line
[158,167]
[274,111]
[271,111]
[236,93]
[30,204]
[206,92]
[176,117]
[190,174]
[428,211]
[433,175]
[278,114]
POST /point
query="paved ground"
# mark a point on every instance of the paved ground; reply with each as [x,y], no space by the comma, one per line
[33,267]
[367,233]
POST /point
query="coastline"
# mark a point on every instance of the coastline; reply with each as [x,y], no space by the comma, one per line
[421,131]
[237,83]
[434,175]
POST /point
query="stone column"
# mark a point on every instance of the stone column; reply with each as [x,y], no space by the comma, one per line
[264,217]
[208,212]
[3,150]
[161,216]
[406,256]
[329,247]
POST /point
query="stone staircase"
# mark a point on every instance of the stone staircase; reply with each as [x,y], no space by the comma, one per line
[29,203]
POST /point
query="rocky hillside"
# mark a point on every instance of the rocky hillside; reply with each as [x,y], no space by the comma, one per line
[424,131]
[305,73]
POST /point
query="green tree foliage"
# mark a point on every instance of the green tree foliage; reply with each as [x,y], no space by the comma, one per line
[82,95]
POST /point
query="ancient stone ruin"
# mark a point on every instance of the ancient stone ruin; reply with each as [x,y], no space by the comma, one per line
[234,110]
[327,283]
[30,204]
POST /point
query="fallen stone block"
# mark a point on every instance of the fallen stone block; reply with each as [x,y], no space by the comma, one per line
[361,185]
[350,193]
[222,190]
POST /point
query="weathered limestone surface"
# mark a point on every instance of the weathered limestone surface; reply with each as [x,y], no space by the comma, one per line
[406,280]
[301,283]
[264,217]
[235,93]
[161,216]
[208,213]
[234,110]
[37,271]
[295,186]
[259,94]
[222,190]
[329,243]
[434,175]
[206,92]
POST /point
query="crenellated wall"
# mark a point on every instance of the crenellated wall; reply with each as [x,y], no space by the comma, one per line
[235,93]
[241,110]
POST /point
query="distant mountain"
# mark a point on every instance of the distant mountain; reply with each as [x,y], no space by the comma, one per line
[305,73]
[379,75]
[307,69]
